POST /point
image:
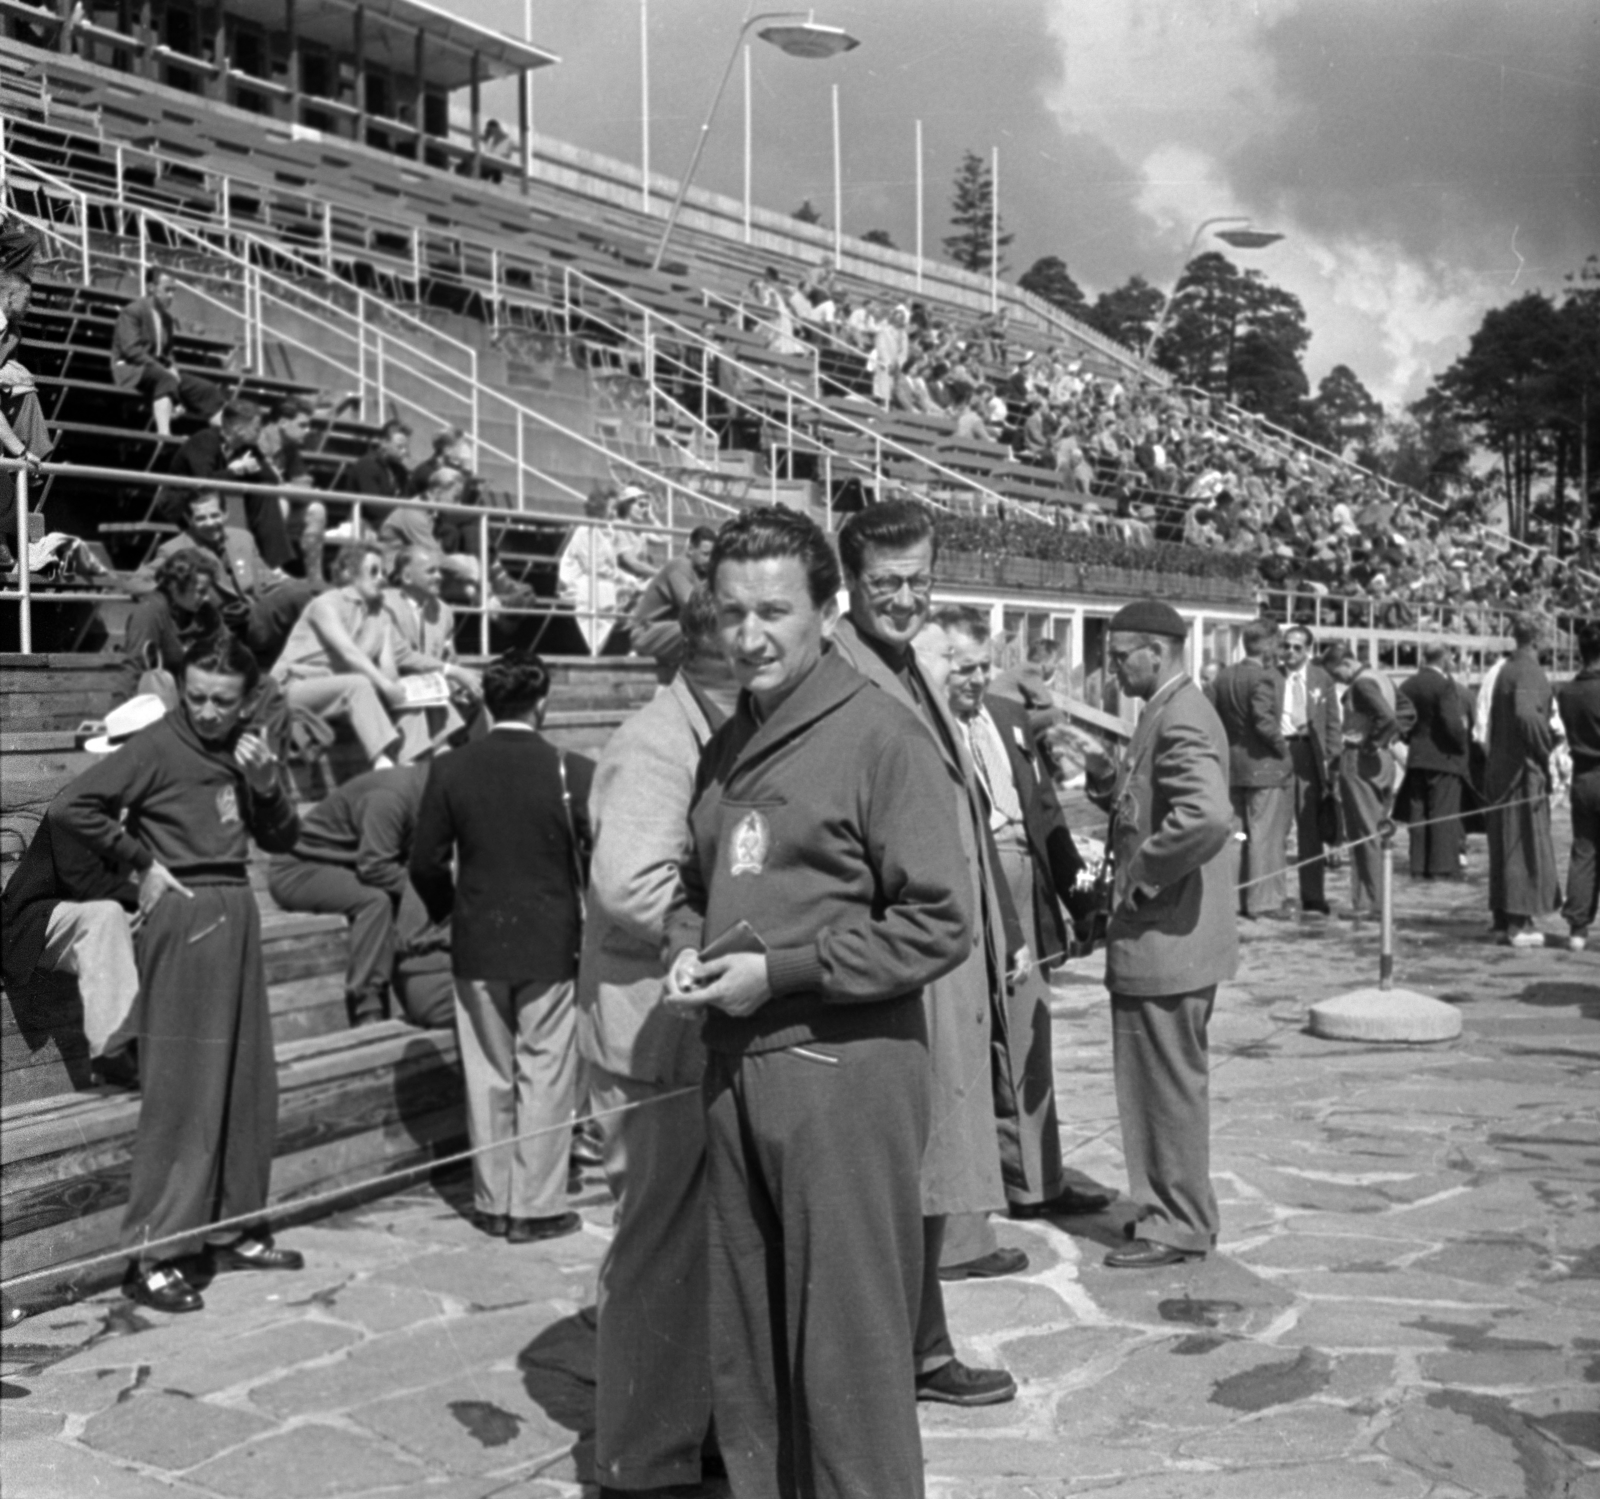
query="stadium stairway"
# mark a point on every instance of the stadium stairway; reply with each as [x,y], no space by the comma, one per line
[353,1104]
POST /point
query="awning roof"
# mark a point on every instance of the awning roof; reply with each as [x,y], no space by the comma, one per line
[390,29]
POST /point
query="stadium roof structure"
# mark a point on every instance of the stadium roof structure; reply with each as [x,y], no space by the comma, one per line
[383,22]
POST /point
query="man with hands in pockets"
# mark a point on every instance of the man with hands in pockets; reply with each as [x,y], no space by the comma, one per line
[819,896]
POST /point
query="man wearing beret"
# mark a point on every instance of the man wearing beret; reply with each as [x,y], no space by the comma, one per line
[1172,936]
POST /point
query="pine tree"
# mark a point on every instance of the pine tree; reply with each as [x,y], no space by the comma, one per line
[970,211]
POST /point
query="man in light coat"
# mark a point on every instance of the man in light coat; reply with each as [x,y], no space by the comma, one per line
[1172,937]
[653,1362]
[888,553]
[1311,729]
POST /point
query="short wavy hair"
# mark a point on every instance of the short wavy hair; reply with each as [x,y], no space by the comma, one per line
[768,532]
[891,526]
[225,655]
[514,683]
[175,572]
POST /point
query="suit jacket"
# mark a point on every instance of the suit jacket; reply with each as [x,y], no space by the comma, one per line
[961,1170]
[1249,701]
[639,810]
[1056,860]
[1441,738]
[513,903]
[1324,718]
[134,339]
[1172,927]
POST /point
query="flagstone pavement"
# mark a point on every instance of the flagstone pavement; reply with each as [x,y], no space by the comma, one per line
[1406,1304]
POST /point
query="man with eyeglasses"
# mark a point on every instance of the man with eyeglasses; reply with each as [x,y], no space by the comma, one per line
[887,552]
[1312,730]
[1172,937]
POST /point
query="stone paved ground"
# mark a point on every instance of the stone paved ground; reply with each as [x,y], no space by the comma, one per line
[1407,1303]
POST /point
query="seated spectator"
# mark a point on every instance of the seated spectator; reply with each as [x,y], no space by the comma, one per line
[426,624]
[452,449]
[142,356]
[890,349]
[385,469]
[656,631]
[184,607]
[228,452]
[970,426]
[23,432]
[259,604]
[281,445]
[19,245]
[351,859]
[345,663]
[415,526]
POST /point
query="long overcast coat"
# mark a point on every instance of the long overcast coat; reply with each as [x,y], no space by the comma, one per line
[961,1170]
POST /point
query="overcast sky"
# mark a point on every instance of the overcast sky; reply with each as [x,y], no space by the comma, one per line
[1427,159]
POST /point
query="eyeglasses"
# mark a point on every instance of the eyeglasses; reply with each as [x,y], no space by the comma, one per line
[888,585]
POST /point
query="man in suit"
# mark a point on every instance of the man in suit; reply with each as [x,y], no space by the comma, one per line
[383,470]
[1311,731]
[1039,864]
[1579,702]
[142,358]
[1438,748]
[1249,699]
[888,552]
[513,812]
[1172,936]
[652,1359]
[1367,766]
[258,604]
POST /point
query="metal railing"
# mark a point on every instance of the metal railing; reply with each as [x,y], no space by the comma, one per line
[587,535]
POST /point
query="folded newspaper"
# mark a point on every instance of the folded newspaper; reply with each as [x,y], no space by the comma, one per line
[429,689]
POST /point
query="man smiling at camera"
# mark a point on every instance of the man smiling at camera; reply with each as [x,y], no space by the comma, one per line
[819,898]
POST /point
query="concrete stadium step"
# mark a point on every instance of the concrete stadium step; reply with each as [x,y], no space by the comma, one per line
[351,1106]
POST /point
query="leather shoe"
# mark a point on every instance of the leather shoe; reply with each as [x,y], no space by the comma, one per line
[957,1383]
[493,1224]
[117,1069]
[1146,1254]
[1000,1261]
[254,1252]
[531,1230]
[163,1287]
[1067,1203]
[586,1151]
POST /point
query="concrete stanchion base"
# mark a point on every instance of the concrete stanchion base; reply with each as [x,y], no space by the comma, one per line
[1385,1015]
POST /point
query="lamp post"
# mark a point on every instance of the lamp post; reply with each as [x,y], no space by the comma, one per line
[1240,239]
[798,38]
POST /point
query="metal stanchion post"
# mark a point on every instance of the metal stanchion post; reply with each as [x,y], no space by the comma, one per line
[1386,905]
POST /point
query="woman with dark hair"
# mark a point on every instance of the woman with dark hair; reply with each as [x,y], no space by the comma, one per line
[180,802]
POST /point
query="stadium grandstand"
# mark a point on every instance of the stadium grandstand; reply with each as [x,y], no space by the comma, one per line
[337,254]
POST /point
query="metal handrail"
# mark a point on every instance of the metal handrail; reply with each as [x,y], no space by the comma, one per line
[682,493]
[484,520]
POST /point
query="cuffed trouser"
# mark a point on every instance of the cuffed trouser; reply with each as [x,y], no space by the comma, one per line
[652,1352]
[1364,785]
[814,1161]
[1436,849]
[1583,889]
[1307,792]
[92,940]
[208,1109]
[1263,812]
[305,885]
[1161,1066]
[519,1057]
[349,698]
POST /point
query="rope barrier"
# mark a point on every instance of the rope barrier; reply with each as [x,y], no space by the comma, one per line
[332,1194]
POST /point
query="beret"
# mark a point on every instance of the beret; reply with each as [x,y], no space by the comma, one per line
[1150,617]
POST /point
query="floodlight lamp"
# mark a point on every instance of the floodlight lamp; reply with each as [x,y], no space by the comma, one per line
[1248,239]
[808,39]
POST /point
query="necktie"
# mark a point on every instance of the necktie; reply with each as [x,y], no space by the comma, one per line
[995,773]
[1297,702]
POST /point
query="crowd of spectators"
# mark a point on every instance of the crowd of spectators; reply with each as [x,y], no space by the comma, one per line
[1181,465]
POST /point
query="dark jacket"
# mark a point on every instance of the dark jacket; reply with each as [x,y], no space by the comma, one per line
[56,867]
[513,903]
[378,474]
[167,796]
[1579,702]
[367,825]
[814,827]
[133,340]
[1441,737]
[655,617]
[1249,700]
[1056,860]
